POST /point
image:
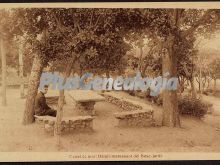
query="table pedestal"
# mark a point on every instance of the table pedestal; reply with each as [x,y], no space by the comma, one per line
[86,108]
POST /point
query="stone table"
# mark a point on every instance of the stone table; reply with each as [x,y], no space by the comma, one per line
[85,100]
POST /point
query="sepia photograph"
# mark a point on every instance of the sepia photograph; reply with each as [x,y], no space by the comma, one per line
[102,82]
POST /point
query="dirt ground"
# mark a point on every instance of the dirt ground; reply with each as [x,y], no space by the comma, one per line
[194,136]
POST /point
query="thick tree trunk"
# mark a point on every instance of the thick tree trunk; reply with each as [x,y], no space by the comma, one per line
[169,64]
[3,56]
[170,102]
[21,71]
[33,84]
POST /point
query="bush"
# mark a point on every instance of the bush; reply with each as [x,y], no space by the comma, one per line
[187,106]
[193,107]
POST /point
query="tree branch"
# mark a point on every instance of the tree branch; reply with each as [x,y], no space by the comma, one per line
[198,23]
[91,18]
[185,70]
[97,21]
[60,28]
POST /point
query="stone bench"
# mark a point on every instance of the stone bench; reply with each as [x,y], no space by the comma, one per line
[136,113]
[67,123]
[140,118]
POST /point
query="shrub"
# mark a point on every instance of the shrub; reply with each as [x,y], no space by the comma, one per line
[193,107]
[187,106]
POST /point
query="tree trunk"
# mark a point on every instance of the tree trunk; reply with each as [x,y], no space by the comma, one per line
[33,84]
[208,83]
[193,90]
[107,73]
[140,59]
[21,71]
[215,86]
[170,102]
[203,84]
[181,86]
[3,54]
[200,80]
[169,64]
[57,129]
